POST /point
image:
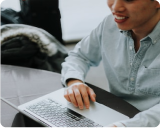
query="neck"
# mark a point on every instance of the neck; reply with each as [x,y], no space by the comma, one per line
[144,30]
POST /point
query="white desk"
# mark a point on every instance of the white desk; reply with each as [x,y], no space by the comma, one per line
[19,85]
[79,17]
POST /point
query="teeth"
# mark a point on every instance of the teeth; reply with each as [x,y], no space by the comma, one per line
[119,18]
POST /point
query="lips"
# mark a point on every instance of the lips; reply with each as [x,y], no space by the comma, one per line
[120,19]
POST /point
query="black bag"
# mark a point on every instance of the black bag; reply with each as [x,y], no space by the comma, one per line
[43,14]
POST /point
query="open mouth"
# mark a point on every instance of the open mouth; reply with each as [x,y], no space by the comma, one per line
[120,19]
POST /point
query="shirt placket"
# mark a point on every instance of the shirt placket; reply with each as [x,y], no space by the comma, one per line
[132,50]
[135,62]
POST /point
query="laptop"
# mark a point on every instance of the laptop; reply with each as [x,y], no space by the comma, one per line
[52,110]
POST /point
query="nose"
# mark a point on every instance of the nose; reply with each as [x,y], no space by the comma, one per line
[117,6]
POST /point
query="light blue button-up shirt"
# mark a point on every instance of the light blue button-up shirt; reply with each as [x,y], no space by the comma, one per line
[135,77]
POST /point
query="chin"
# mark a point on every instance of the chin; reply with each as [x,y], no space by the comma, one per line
[125,28]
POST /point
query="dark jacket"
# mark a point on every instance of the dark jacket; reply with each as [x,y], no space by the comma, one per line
[28,46]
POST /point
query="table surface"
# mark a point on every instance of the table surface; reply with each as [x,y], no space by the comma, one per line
[78,17]
[20,85]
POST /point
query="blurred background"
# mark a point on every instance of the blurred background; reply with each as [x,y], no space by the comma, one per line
[78,19]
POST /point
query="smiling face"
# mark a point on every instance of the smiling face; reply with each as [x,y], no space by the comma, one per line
[134,14]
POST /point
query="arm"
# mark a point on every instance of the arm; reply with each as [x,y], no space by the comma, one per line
[147,118]
[86,53]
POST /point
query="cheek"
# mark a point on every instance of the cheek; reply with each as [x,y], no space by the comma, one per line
[109,3]
[139,13]
[133,11]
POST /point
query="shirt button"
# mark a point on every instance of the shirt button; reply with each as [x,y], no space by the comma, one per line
[154,41]
[130,47]
[132,79]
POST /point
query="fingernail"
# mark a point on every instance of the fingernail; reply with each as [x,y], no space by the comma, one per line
[81,107]
[87,106]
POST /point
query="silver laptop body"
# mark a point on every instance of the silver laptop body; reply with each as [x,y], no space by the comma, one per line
[53,110]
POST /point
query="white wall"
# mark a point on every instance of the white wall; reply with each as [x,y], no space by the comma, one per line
[80,17]
[14,4]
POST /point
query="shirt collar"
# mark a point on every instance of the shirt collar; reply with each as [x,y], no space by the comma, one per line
[154,35]
[125,32]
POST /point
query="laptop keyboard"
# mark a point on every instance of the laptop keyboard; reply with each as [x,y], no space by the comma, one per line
[59,115]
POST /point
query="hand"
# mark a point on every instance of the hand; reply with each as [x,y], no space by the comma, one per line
[110,126]
[79,93]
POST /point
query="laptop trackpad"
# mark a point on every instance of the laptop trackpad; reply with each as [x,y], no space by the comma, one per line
[100,113]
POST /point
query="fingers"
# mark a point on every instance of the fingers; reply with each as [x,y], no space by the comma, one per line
[72,97]
[66,95]
[91,94]
[78,95]
[110,126]
[78,98]
[85,96]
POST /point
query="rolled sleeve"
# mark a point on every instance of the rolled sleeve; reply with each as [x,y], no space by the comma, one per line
[87,53]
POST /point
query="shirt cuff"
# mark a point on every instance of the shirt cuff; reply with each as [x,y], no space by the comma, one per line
[70,75]
[119,125]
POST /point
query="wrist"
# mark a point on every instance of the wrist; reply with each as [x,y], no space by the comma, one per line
[72,81]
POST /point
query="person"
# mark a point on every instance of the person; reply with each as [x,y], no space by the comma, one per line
[128,43]
[43,14]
